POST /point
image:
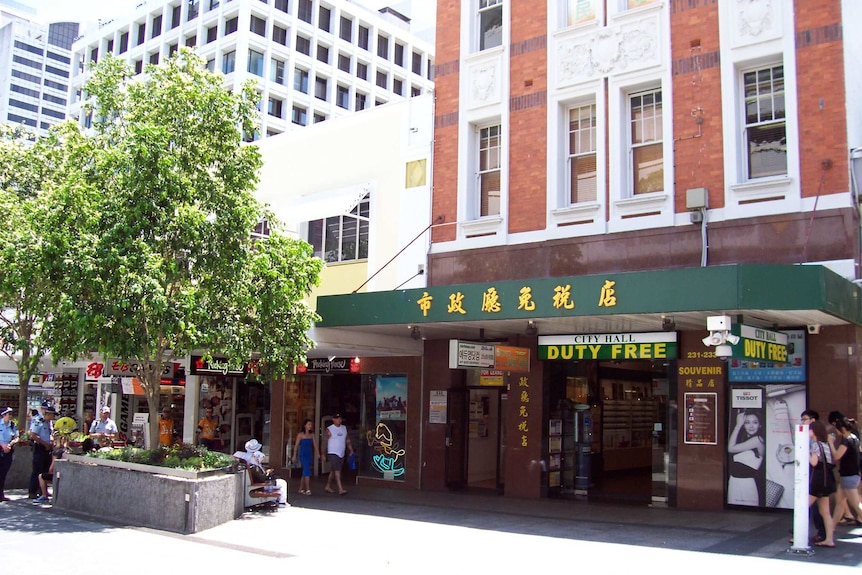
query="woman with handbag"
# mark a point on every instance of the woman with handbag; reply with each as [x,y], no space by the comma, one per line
[821,480]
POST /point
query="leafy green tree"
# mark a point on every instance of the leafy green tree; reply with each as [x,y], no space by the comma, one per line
[174,265]
[37,180]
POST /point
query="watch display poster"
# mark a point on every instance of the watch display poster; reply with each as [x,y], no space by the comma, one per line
[760,450]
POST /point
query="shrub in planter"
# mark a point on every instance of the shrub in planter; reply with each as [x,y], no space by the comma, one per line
[185,456]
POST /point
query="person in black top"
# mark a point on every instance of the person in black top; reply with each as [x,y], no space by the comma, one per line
[847,455]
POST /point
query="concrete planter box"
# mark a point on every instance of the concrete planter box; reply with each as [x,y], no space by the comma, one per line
[22,467]
[146,495]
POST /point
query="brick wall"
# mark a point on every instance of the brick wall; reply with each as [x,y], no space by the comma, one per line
[528,117]
[822,111]
[698,158]
[446,80]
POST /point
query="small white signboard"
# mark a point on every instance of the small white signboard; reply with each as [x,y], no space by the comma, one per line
[470,355]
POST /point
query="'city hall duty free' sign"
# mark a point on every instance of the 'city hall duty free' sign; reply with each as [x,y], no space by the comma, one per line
[760,344]
[652,345]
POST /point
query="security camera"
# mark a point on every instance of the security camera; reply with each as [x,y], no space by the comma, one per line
[814,328]
[713,339]
[718,323]
[723,351]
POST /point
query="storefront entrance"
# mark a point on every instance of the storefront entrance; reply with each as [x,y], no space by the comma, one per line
[476,435]
[608,429]
[486,439]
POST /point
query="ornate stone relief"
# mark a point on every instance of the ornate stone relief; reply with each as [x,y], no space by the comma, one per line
[754,16]
[485,82]
[608,51]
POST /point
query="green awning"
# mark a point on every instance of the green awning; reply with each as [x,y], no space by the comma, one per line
[732,287]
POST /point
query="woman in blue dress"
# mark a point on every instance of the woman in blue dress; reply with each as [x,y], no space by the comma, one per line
[305,449]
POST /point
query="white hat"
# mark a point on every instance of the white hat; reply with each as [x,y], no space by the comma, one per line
[252,445]
[106,409]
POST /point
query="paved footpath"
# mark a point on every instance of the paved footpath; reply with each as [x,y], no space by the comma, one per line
[390,531]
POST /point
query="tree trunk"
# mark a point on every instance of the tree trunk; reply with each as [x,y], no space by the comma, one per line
[26,369]
[151,388]
[23,387]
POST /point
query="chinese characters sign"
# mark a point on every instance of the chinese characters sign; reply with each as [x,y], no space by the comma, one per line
[523,410]
[698,375]
[493,301]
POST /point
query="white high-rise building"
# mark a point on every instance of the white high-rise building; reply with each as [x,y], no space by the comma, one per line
[35,64]
[313,60]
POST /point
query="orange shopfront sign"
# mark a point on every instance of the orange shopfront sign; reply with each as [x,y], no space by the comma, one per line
[508,358]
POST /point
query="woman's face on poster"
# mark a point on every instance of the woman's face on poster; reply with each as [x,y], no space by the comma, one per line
[751,424]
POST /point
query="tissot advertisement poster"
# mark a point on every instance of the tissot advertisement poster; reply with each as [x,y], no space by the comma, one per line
[760,443]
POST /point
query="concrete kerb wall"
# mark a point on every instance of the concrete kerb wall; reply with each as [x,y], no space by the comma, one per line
[22,467]
[147,499]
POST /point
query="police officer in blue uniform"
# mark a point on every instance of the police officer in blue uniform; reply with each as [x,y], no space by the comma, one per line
[8,439]
[42,436]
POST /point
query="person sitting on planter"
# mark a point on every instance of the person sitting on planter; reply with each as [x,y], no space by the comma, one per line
[48,477]
[89,418]
[260,474]
[104,430]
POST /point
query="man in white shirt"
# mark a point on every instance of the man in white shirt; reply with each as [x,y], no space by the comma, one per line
[337,441]
[103,429]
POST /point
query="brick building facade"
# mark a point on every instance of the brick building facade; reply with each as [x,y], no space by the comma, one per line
[653,164]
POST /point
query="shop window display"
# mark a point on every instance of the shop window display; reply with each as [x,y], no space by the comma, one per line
[218,394]
[299,399]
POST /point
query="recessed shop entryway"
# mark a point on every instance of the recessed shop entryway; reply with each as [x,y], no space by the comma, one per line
[476,433]
[611,419]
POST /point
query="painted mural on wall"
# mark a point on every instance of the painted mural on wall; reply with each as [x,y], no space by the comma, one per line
[386,439]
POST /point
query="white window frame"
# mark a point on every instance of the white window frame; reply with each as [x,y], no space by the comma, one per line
[646,210]
[582,151]
[484,8]
[362,229]
[568,13]
[651,125]
[759,100]
[474,228]
[567,219]
[484,137]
